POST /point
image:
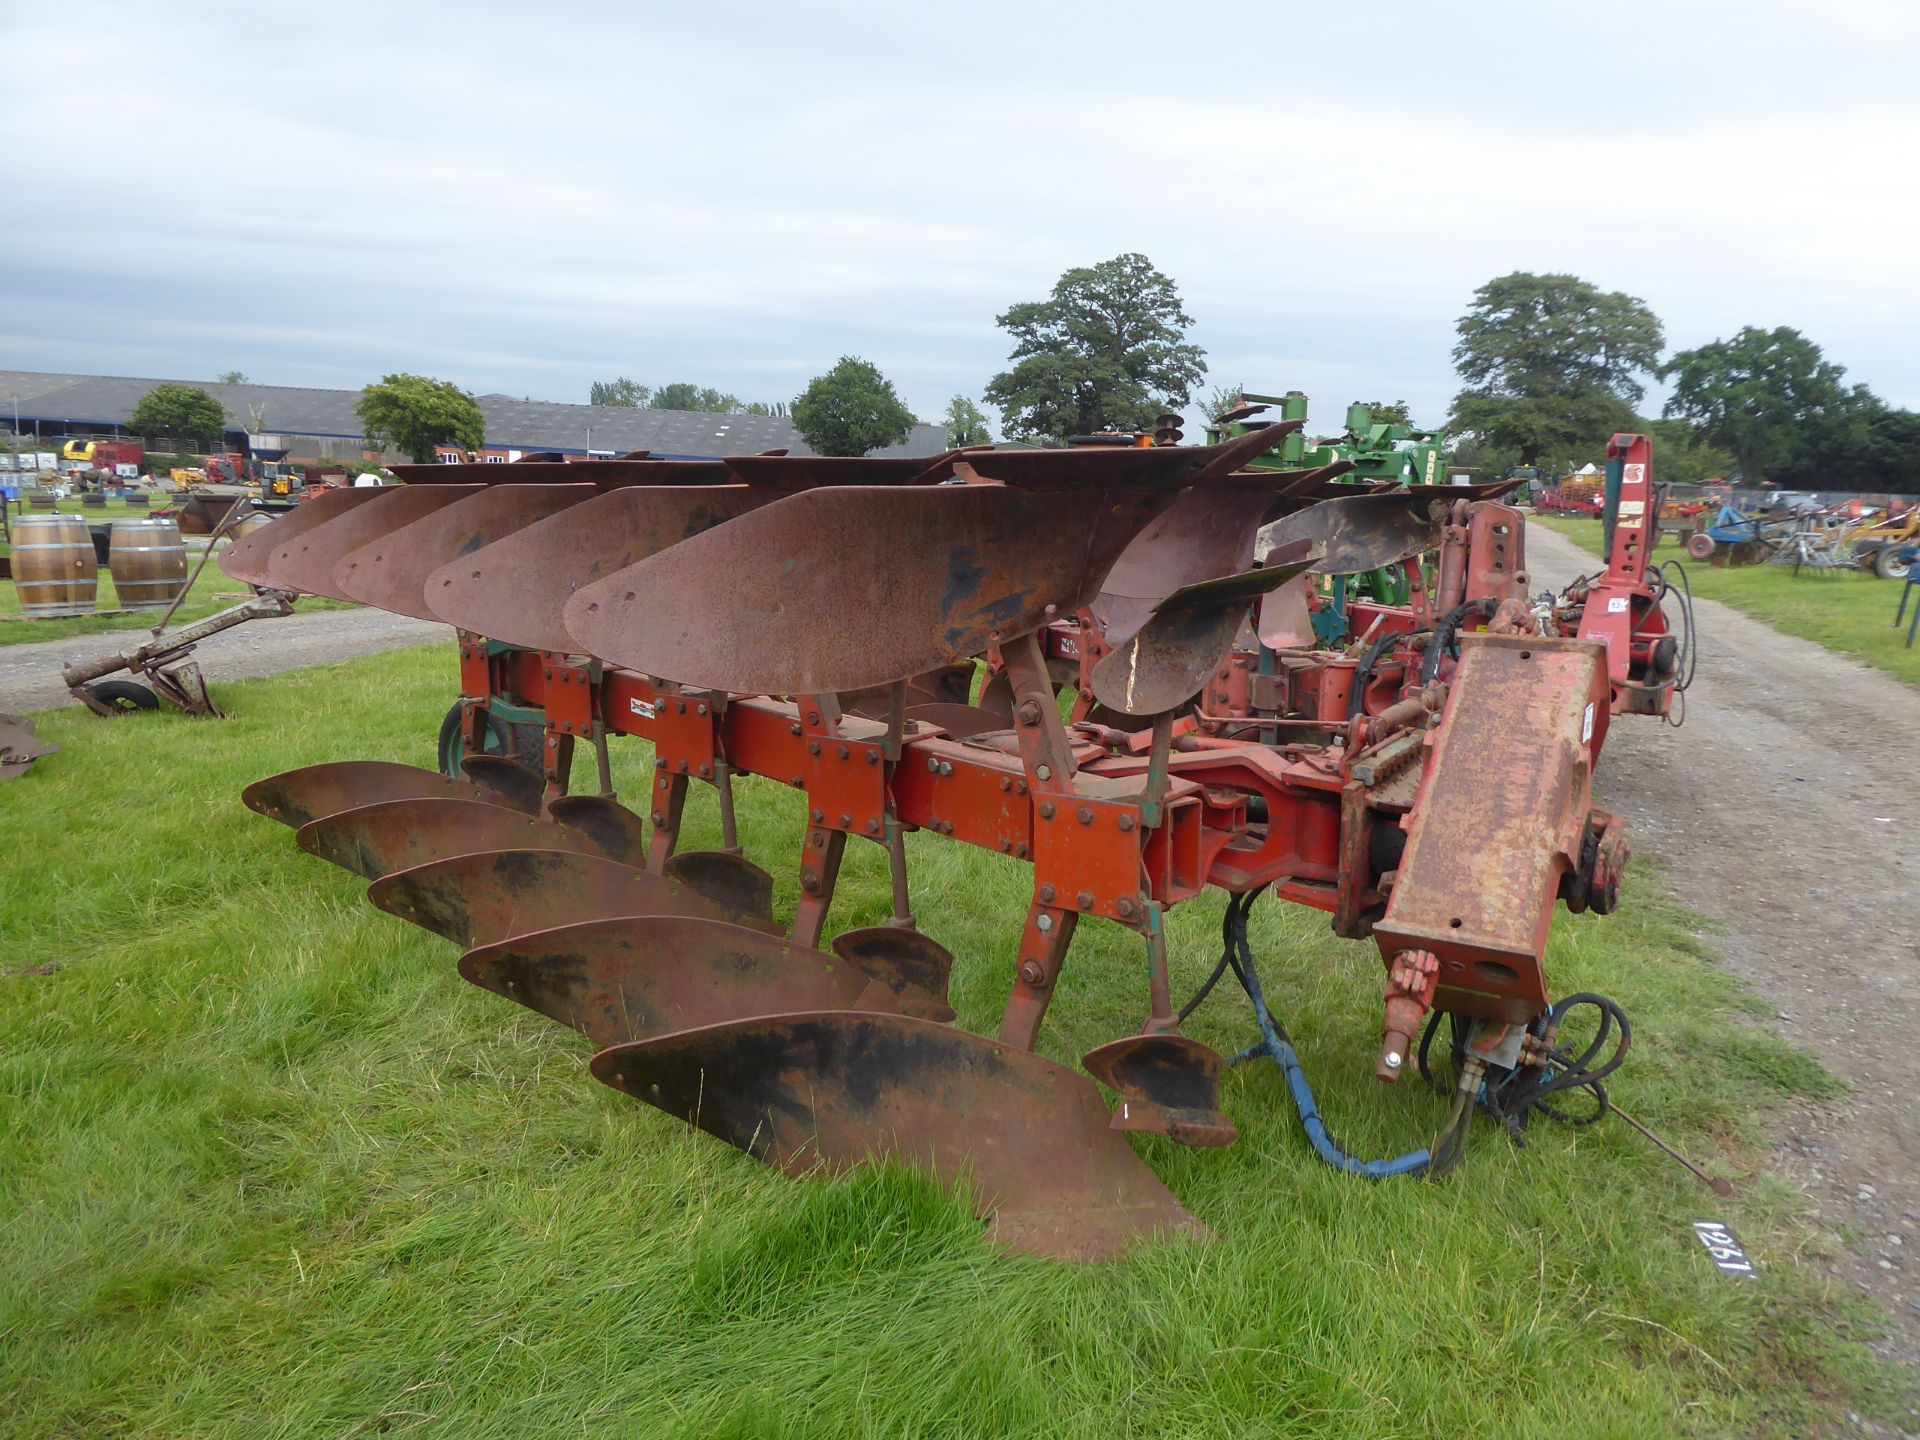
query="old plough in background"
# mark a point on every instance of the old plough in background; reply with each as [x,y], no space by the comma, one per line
[892,640]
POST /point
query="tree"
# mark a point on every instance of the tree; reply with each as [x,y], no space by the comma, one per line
[1107,349]
[777,409]
[1223,399]
[1760,394]
[966,424]
[412,414]
[850,410]
[230,377]
[682,396]
[180,410]
[1383,413]
[1551,364]
[1681,456]
[621,393]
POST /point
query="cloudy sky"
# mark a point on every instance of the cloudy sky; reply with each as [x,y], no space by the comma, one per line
[524,198]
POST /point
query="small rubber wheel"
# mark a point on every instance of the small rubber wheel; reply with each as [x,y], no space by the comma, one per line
[1889,565]
[124,696]
[526,743]
[1700,546]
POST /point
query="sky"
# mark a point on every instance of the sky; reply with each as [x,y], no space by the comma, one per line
[526,198]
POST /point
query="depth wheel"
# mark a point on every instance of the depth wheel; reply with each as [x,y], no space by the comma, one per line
[525,743]
[1889,565]
[123,697]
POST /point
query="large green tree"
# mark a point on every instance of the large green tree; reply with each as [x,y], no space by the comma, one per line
[1761,394]
[850,410]
[620,392]
[185,411]
[966,424]
[1551,365]
[1107,349]
[1681,455]
[412,414]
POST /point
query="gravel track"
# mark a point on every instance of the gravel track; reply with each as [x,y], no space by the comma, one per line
[30,674]
[1781,811]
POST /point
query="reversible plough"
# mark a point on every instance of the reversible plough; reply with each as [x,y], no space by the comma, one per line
[891,639]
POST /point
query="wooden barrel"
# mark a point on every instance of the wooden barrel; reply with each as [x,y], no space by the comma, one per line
[149,562]
[253,521]
[53,566]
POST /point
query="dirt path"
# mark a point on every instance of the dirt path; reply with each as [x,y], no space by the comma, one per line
[30,674]
[1782,811]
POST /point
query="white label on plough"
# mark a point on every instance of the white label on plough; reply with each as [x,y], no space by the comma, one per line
[1632,509]
[641,708]
[1617,605]
[1586,724]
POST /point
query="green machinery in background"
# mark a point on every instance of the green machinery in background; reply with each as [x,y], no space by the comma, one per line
[1391,452]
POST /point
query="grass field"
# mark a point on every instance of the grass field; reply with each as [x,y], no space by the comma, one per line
[269,1168]
[211,591]
[1848,611]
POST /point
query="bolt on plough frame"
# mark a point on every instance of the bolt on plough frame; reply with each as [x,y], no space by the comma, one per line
[820,623]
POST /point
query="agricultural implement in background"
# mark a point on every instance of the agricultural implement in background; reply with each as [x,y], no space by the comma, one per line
[821,624]
[165,664]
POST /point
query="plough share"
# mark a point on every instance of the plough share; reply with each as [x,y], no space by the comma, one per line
[893,640]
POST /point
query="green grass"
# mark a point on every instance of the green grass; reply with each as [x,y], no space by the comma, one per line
[269,1168]
[1848,611]
[212,591]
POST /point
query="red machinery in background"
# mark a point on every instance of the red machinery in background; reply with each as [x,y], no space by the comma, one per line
[1425,777]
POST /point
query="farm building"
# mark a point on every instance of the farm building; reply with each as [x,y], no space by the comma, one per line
[307,424]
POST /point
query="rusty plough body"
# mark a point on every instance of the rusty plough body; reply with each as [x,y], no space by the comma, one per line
[818,623]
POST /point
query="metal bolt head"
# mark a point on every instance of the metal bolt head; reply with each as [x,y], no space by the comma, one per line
[1029,712]
[933,765]
[1031,973]
[705,769]
[1043,924]
[701,709]
[873,757]
[841,752]
[1393,1059]
[1047,893]
[1123,907]
[1084,900]
[659,817]
[1126,823]
[946,767]
[810,883]
[1045,772]
[873,827]
[818,816]
[845,821]
[813,747]
[1046,810]
[1084,815]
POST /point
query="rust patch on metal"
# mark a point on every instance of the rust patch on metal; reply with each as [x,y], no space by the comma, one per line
[246,559]
[392,571]
[295,797]
[515,590]
[488,896]
[636,977]
[376,840]
[837,1089]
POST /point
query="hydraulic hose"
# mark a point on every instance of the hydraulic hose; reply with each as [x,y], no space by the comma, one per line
[1363,672]
[1446,630]
[1275,1043]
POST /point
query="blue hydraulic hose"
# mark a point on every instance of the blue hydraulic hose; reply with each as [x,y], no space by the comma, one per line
[1275,1044]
